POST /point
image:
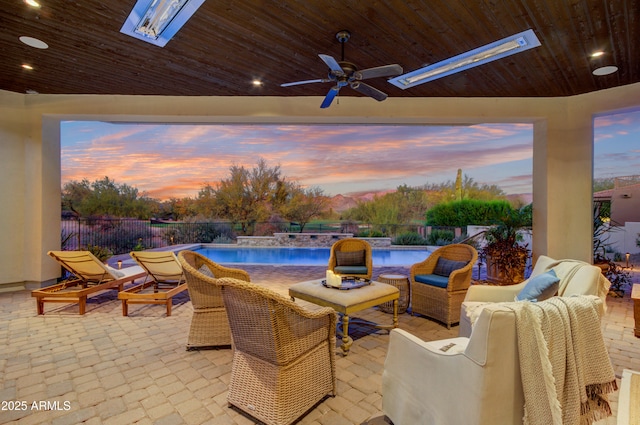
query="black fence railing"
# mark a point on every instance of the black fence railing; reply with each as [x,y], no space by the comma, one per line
[121,236]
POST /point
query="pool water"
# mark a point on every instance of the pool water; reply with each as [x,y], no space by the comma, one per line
[306,256]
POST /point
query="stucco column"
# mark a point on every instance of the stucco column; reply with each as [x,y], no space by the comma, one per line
[562,185]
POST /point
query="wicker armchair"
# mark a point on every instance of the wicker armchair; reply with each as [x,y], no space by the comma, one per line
[284,355]
[209,324]
[351,257]
[441,300]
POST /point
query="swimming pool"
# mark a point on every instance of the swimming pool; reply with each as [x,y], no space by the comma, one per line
[306,256]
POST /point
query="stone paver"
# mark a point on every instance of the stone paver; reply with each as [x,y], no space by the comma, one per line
[106,368]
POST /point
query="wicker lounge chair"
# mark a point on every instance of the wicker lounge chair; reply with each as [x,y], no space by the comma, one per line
[209,324]
[284,355]
[89,275]
[351,257]
[440,283]
[164,274]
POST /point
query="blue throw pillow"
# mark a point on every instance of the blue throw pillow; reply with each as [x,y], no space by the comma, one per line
[444,267]
[540,287]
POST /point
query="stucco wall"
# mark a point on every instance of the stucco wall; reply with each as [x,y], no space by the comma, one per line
[12,186]
[30,160]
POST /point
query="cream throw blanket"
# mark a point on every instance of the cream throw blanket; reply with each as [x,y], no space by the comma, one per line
[565,368]
[566,269]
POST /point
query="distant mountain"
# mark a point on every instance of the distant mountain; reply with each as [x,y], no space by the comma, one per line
[340,203]
[525,198]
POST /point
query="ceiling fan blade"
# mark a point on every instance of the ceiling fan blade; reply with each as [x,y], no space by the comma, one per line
[379,71]
[330,96]
[332,64]
[297,83]
[369,91]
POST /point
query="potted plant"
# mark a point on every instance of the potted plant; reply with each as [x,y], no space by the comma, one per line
[504,252]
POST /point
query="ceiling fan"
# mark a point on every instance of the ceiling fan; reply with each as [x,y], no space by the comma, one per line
[344,73]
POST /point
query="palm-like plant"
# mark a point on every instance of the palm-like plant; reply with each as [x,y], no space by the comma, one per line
[504,248]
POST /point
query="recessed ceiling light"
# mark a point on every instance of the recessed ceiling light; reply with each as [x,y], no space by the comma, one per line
[34,42]
[597,54]
[256,82]
[32,3]
[605,70]
[27,66]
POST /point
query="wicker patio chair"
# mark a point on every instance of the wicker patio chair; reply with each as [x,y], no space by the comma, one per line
[209,324]
[351,257]
[440,283]
[284,354]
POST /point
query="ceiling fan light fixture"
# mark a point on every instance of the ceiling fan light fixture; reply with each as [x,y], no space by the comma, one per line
[157,21]
[497,50]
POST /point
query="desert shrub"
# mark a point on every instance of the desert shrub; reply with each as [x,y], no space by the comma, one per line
[199,232]
[275,224]
[468,211]
[440,237]
[349,227]
[101,253]
[116,235]
[409,238]
[370,233]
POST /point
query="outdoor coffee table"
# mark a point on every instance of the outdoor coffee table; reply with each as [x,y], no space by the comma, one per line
[348,301]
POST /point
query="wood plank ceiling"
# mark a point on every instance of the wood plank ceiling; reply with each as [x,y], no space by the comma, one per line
[228,43]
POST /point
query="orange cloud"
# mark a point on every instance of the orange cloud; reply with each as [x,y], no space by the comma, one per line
[174,160]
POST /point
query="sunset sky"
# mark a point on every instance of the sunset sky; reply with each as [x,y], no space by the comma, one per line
[166,161]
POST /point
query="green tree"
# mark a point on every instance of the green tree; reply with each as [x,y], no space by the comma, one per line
[247,196]
[74,194]
[387,212]
[468,189]
[106,197]
[303,205]
[178,209]
[603,183]
[206,204]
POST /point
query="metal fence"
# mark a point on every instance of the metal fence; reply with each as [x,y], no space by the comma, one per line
[121,236]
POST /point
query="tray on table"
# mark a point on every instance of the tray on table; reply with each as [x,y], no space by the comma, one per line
[349,282]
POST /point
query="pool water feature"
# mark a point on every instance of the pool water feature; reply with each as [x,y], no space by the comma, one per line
[306,256]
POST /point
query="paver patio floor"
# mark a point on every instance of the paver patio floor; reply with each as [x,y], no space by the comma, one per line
[103,368]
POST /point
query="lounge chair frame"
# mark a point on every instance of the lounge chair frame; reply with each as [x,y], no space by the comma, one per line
[153,262]
[88,283]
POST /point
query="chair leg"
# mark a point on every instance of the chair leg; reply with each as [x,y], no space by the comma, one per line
[125,308]
[82,301]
